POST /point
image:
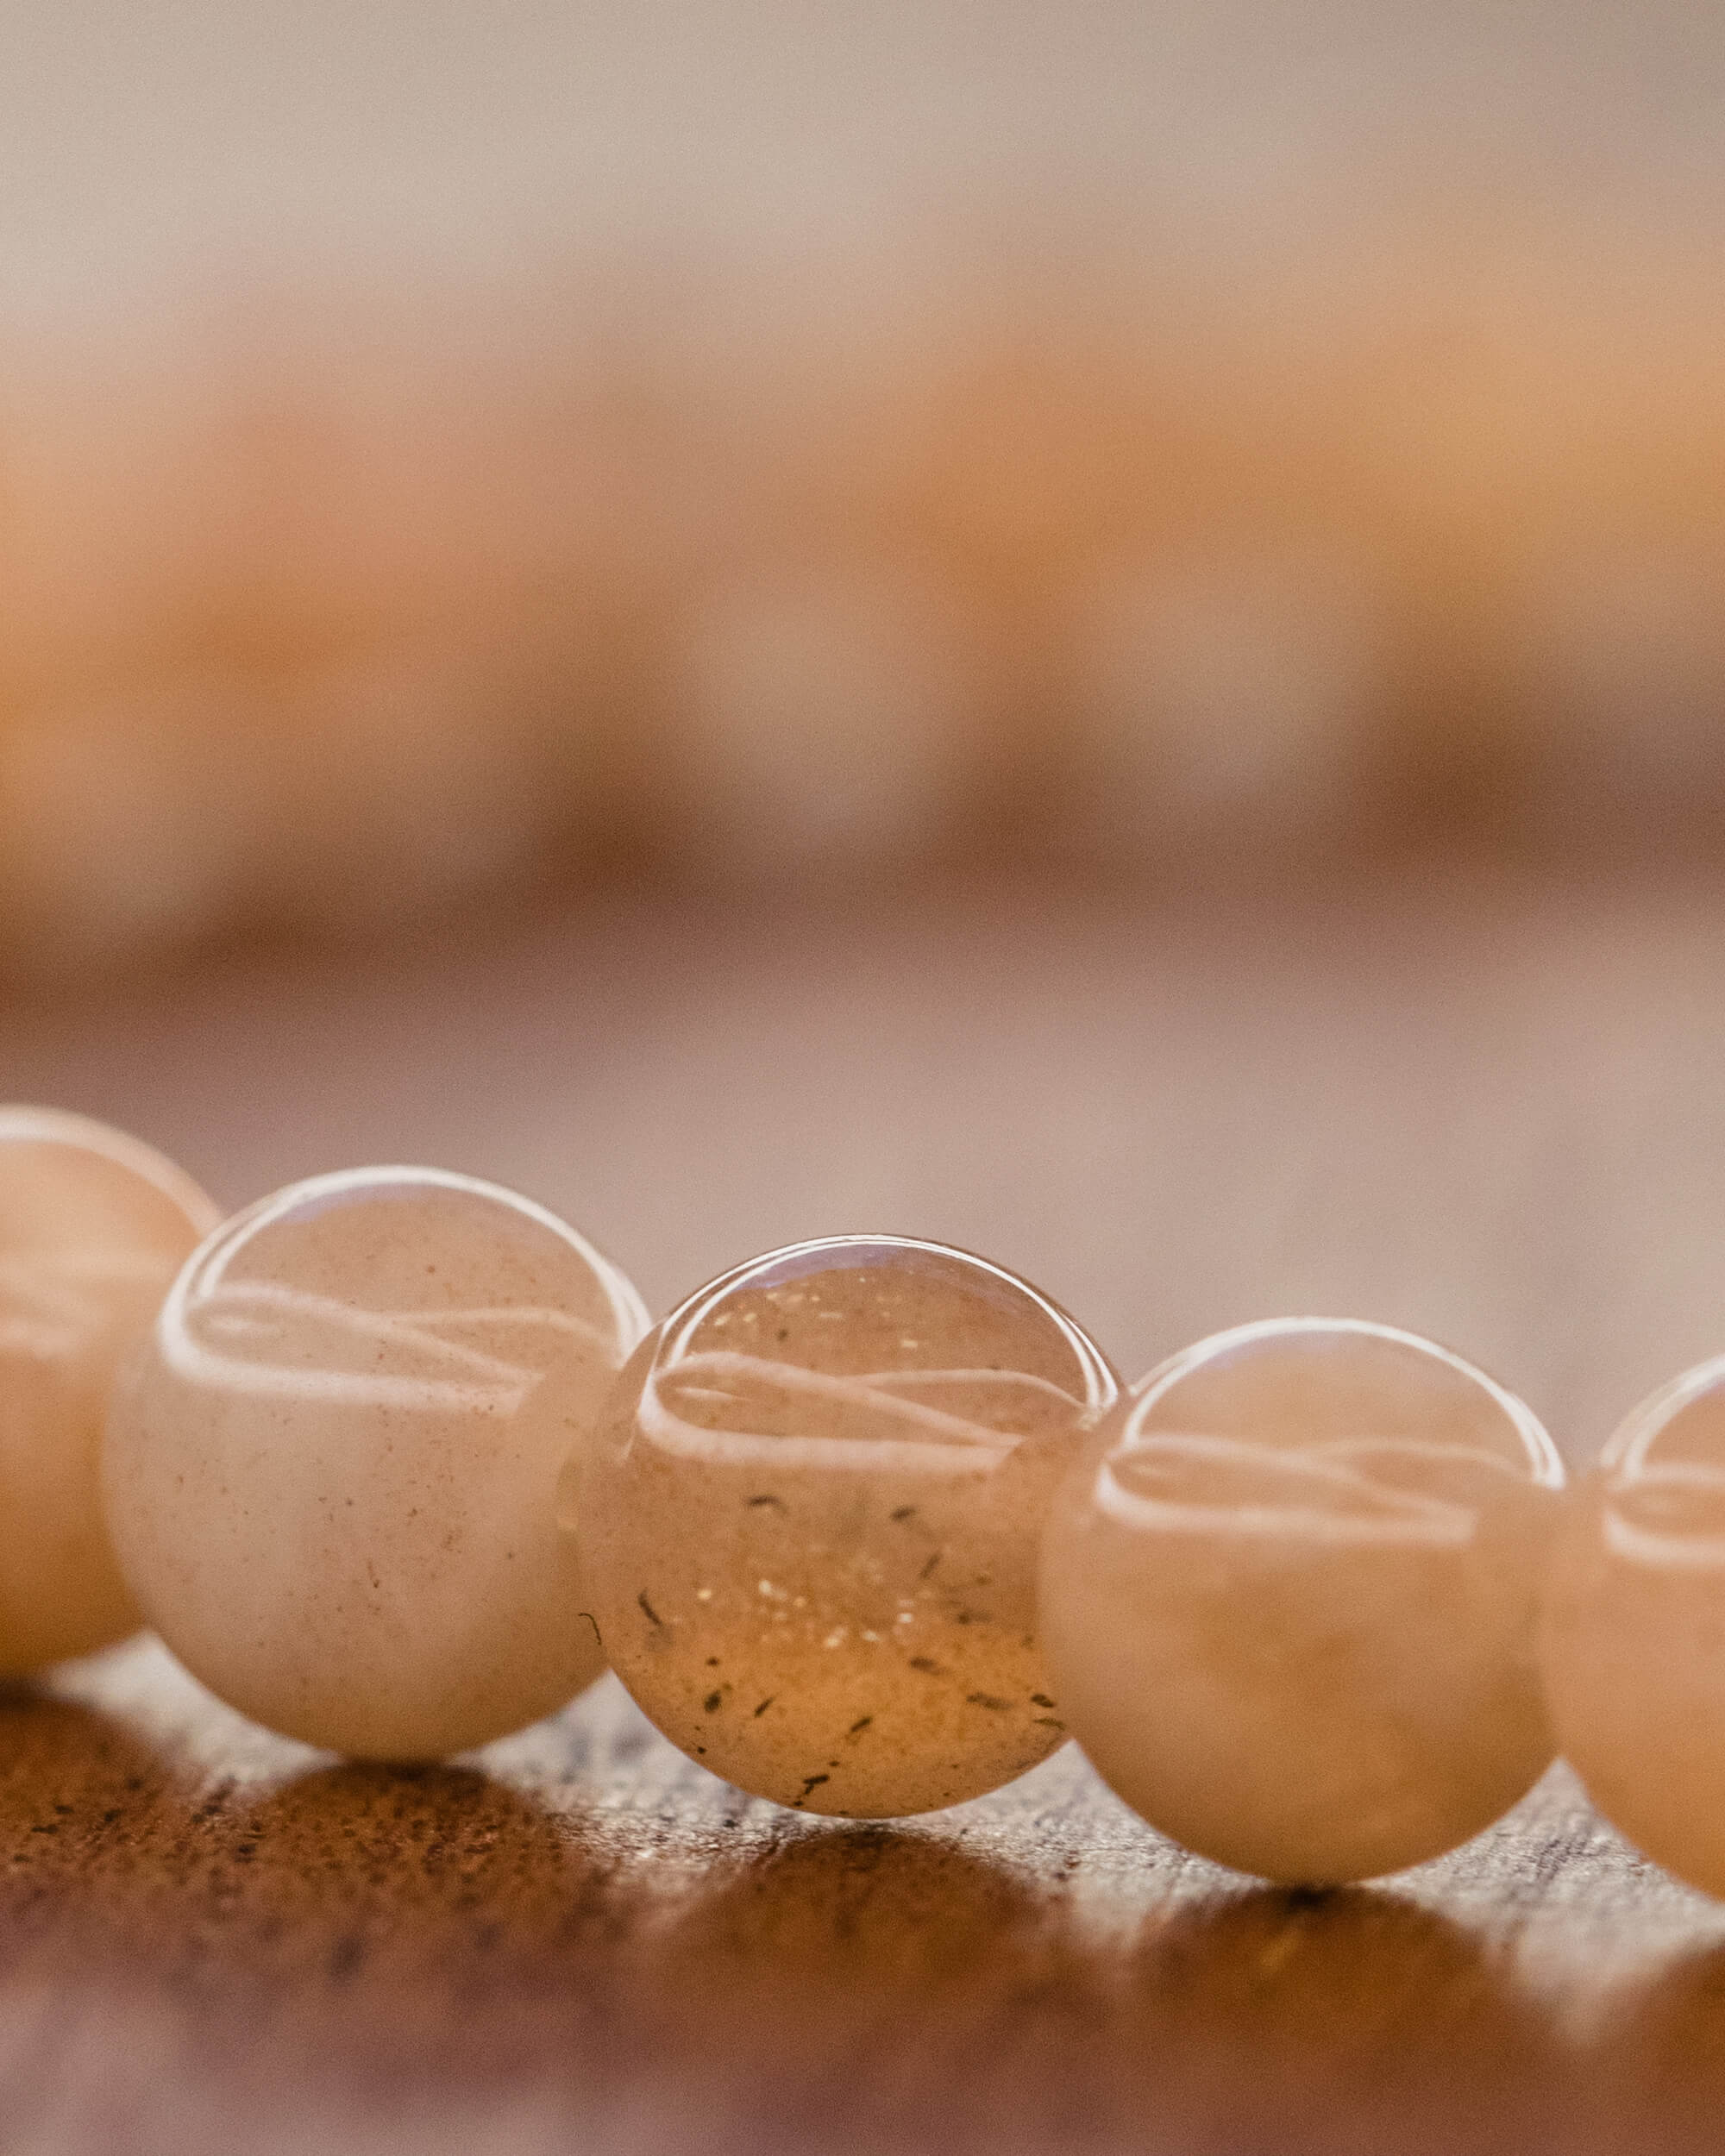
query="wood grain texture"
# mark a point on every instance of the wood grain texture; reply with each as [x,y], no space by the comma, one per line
[1491,1111]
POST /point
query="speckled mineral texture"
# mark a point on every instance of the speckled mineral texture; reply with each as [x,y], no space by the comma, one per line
[1290,1599]
[1632,1636]
[811,1515]
[93,1227]
[331,1476]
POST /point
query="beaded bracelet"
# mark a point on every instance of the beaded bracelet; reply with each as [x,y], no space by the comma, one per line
[395,1463]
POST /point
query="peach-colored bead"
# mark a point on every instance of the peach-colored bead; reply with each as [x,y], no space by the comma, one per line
[1633,1634]
[1288,1599]
[331,1476]
[810,1519]
[93,1227]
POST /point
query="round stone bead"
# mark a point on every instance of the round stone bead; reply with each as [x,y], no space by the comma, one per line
[331,1474]
[93,1227]
[810,1517]
[1289,1598]
[1633,1634]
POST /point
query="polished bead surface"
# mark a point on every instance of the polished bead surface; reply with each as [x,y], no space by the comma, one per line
[93,1227]
[1632,1638]
[1288,1599]
[331,1474]
[810,1519]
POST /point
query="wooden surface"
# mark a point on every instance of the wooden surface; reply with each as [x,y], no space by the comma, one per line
[1489,1109]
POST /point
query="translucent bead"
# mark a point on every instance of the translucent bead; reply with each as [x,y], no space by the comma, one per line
[331,1477]
[93,1227]
[810,1522]
[1288,1599]
[1633,1634]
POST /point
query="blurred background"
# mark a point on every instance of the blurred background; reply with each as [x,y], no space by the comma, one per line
[445,449]
[1083,627]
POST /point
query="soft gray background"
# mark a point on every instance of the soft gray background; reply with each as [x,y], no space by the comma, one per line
[149,150]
